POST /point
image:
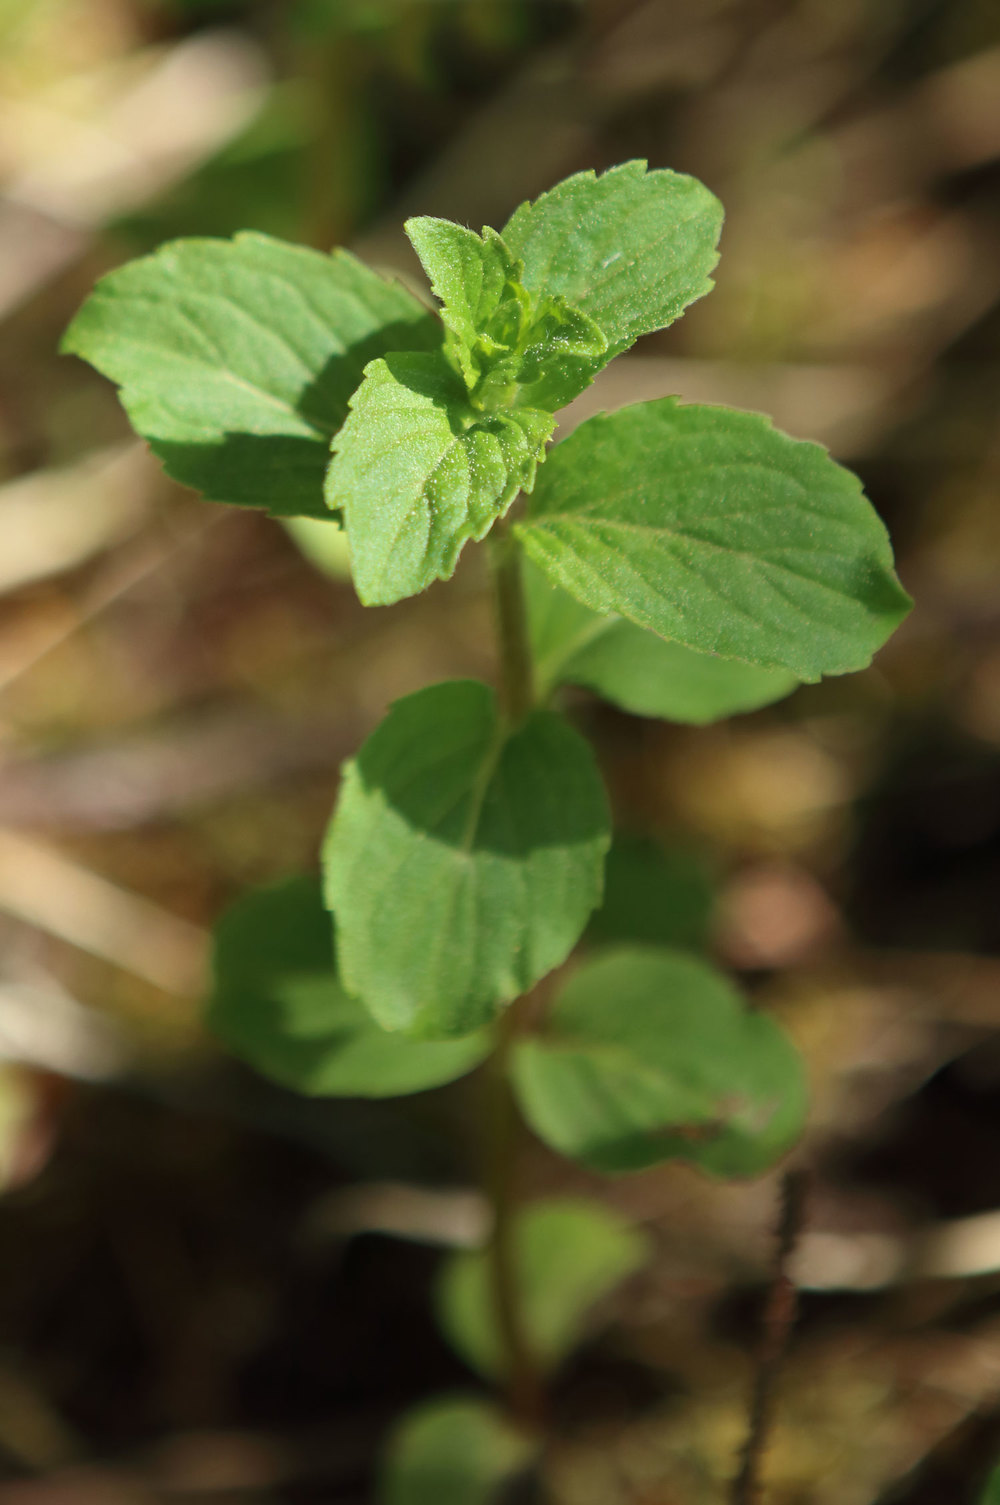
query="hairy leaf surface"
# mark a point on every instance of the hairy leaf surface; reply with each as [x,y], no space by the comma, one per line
[278,1004]
[463,858]
[478,283]
[512,349]
[713,529]
[236,359]
[416,473]
[569,1253]
[631,248]
[651,1055]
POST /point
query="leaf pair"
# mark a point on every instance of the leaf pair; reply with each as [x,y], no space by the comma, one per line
[425,463]
[569,1255]
[242,361]
[238,360]
[646,1055]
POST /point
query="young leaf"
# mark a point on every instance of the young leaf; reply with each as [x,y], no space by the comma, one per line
[635,669]
[510,348]
[660,896]
[569,1254]
[631,248]
[277,1004]
[651,1055]
[463,858]
[417,473]
[452,1451]
[712,528]
[560,354]
[236,359]
[478,283]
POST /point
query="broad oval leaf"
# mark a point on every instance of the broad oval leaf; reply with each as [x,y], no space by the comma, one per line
[644,674]
[277,1004]
[236,359]
[455,1450]
[416,473]
[631,248]
[713,529]
[568,1255]
[651,1055]
[463,858]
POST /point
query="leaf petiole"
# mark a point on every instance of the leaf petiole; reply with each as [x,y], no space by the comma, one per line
[517,671]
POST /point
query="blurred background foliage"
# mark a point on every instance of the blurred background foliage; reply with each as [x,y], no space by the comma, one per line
[211,1289]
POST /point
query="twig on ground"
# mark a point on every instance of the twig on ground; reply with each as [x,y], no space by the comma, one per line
[779,1318]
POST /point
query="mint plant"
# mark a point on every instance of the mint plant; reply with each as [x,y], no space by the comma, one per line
[683,561]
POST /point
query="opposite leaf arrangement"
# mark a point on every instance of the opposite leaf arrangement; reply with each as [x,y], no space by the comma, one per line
[682,561]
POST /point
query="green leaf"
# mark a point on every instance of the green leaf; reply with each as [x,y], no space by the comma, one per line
[416,473]
[568,1255]
[510,348]
[560,354]
[278,1005]
[651,1055]
[478,283]
[452,1451]
[635,669]
[236,359]
[650,676]
[630,248]
[712,528]
[463,858]
[661,896]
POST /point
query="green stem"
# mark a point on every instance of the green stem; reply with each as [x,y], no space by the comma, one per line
[525,1395]
[503,1125]
[517,677]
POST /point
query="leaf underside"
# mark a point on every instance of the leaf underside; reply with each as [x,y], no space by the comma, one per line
[635,669]
[277,1004]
